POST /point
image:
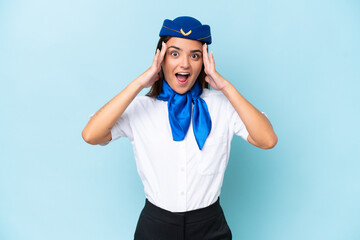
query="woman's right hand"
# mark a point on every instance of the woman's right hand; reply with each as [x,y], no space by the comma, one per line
[98,128]
[150,76]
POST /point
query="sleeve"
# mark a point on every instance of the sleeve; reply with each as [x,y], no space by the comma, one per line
[122,127]
[236,124]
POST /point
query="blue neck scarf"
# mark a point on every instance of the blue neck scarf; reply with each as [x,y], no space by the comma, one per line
[179,107]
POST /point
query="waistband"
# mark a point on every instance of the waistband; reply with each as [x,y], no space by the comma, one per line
[181,218]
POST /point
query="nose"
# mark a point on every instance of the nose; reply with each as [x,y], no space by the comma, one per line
[185,63]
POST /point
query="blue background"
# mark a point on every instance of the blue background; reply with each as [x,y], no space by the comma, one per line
[60,61]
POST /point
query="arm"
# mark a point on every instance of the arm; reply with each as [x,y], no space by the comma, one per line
[261,133]
[98,129]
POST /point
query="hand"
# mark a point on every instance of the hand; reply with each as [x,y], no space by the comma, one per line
[148,78]
[215,80]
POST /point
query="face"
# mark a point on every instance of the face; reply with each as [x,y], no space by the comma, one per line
[182,63]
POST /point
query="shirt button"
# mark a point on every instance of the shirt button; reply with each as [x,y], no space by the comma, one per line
[182,169]
[182,193]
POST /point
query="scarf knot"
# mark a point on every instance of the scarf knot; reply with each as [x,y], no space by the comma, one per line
[179,109]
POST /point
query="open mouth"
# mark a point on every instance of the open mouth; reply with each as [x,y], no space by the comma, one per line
[182,77]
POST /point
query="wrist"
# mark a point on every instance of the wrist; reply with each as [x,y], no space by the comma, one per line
[145,79]
[226,87]
[138,84]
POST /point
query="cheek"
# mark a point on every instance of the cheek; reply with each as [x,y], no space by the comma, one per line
[165,68]
[168,66]
[198,67]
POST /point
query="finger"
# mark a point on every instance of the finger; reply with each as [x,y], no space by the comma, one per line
[212,61]
[207,79]
[162,52]
[155,60]
[205,56]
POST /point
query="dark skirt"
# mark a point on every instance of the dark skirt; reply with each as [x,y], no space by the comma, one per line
[202,224]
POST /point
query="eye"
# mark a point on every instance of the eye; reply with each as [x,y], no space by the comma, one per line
[195,56]
[174,54]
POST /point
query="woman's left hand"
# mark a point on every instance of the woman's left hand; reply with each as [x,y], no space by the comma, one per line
[261,133]
[215,80]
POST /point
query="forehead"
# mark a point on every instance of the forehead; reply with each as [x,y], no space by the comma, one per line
[186,44]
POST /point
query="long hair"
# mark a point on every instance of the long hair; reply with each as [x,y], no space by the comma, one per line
[157,86]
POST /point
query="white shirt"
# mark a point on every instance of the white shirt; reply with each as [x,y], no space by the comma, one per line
[176,175]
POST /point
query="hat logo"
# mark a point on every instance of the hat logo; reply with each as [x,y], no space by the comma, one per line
[185,34]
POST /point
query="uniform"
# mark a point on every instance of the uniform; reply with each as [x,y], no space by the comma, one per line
[177,176]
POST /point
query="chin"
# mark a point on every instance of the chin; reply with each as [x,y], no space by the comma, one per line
[183,89]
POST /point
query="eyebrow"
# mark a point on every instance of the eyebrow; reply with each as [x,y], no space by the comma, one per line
[192,51]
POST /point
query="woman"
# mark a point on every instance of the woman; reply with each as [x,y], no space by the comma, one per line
[181,134]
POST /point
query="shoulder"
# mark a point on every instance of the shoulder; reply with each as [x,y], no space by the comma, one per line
[143,104]
[144,101]
[213,96]
[217,102]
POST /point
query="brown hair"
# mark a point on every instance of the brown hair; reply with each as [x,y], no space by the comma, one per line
[157,86]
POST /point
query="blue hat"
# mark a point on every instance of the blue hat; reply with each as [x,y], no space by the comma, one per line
[186,27]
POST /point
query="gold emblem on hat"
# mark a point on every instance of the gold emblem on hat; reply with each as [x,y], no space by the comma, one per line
[185,34]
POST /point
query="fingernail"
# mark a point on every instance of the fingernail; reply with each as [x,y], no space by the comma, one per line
[163,43]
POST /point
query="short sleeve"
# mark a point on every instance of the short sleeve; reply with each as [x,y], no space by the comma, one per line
[122,127]
[236,124]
